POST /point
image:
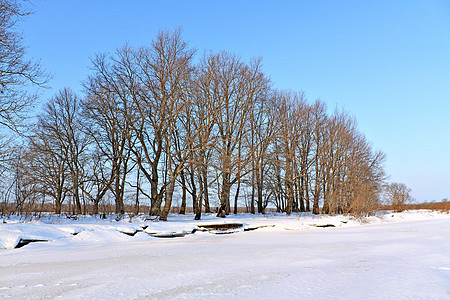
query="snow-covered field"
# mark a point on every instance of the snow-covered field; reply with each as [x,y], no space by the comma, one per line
[391,256]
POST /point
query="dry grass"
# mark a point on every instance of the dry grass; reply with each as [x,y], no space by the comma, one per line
[109,208]
[441,206]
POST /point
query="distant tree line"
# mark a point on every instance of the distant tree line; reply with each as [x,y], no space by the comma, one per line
[156,124]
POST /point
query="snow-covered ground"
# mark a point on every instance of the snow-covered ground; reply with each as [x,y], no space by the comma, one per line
[391,256]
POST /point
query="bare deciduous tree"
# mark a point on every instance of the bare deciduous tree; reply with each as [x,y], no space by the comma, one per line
[233,87]
[106,121]
[290,106]
[16,72]
[263,130]
[61,126]
[150,82]
[398,195]
[47,166]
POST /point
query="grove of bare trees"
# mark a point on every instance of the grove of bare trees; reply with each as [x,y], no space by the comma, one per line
[158,129]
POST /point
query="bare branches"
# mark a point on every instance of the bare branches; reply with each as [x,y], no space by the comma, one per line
[398,195]
[16,72]
[214,130]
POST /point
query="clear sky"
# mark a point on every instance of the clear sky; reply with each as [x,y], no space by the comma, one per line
[387,62]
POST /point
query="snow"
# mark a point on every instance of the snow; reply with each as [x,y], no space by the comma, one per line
[393,255]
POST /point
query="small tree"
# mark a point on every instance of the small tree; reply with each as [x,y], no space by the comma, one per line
[398,195]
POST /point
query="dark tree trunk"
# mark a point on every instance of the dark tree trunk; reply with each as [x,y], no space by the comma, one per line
[224,208]
[252,200]
[236,196]
[138,187]
[117,190]
[316,210]
[57,207]
[205,188]
[155,203]
[259,185]
[290,198]
[307,208]
[168,200]
[184,191]
[95,207]
[195,201]
[198,211]
[76,197]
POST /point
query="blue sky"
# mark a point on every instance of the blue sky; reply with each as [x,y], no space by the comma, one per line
[387,62]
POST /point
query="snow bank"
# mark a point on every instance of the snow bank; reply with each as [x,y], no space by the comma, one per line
[86,229]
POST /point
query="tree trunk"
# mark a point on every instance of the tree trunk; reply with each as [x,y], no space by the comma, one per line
[316,210]
[302,193]
[118,199]
[95,207]
[155,205]
[326,204]
[76,196]
[57,207]
[236,196]
[184,190]
[138,187]
[289,188]
[296,197]
[58,200]
[205,187]
[224,208]
[198,211]
[252,200]
[259,185]
[168,200]
[195,201]
[307,208]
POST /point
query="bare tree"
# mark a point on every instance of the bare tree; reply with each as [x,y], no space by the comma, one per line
[199,128]
[106,121]
[16,72]
[398,195]
[179,143]
[368,181]
[149,83]
[61,125]
[290,109]
[352,173]
[316,178]
[23,188]
[163,72]
[18,77]
[47,166]
[234,86]
[263,130]
[305,157]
